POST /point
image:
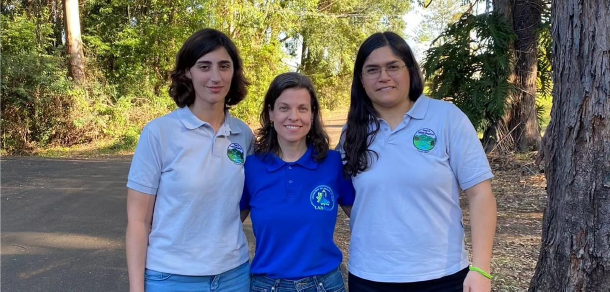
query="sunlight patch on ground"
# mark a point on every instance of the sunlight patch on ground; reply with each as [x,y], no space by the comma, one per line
[20,243]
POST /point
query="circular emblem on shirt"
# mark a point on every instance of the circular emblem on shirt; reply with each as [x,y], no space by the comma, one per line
[322,198]
[236,153]
[424,140]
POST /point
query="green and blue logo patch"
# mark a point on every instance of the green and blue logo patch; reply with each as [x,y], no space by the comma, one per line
[322,198]
[236,153]
[424,140]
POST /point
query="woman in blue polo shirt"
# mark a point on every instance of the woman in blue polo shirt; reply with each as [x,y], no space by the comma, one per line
[184,231]
[294,185]
[409,156]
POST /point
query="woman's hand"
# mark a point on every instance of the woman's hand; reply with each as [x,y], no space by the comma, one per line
[476,282]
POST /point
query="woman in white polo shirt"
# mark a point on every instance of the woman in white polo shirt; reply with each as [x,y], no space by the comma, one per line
[184,232]
[409,156]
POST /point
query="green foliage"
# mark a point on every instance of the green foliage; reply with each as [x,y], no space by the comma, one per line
[130,48]
[544,100]
[436,17]
[329,35]
[472,67]
[34,92]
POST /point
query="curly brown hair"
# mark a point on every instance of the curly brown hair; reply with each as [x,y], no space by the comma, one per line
[197,45]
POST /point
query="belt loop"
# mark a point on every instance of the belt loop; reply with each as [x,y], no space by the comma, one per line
[275,285]
[318,283]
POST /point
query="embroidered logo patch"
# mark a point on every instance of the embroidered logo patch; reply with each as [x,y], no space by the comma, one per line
[424,140]
[236,153]
[322,198]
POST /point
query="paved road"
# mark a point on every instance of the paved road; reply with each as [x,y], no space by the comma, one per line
[63,223]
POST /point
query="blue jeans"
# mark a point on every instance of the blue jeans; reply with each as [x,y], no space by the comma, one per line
[331,282]
[235,280]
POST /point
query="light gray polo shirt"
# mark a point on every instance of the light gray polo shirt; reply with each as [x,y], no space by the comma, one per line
[406,220]
[198,178]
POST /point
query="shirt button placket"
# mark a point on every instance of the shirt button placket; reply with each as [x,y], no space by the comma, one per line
[290,178]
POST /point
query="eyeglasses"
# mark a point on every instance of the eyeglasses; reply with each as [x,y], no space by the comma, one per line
[375,72]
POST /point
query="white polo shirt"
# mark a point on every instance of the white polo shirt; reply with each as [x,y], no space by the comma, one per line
[406,220]
[198,178]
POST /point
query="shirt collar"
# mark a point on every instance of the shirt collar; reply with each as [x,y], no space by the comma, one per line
[191,122]
[305,161]
[420,108]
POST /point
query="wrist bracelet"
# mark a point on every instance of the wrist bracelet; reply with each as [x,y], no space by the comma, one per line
[478,270]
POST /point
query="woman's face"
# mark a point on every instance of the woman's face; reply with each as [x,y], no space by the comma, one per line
[211,76]
[292,116]
[385,78]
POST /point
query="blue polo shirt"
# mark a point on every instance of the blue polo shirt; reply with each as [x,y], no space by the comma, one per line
[293,207]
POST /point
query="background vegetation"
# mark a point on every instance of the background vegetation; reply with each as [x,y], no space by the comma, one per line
[129,47]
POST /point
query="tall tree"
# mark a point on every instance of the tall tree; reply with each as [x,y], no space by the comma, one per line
[74,41]
[520,122]
[437,16]
[522,118]
[575,251]
[330,32]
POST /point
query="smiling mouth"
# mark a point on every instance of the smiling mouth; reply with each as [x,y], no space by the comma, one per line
[293,127]
[387,88]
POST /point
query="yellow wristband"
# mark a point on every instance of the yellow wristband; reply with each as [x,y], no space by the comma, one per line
[478,270]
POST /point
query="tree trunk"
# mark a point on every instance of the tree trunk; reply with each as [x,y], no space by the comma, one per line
[522,118]
[57,21]
[303,64]
[495,137]
[74,42]
[575,250]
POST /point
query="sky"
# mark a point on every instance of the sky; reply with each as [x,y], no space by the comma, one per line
[413,20]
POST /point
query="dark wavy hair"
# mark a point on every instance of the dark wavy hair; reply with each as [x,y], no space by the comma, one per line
[197,45]
[266,136]
[357,136]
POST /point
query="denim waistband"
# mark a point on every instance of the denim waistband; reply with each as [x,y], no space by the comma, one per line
[299,284]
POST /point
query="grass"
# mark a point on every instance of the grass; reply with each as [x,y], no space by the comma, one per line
[125,146]
[100,149]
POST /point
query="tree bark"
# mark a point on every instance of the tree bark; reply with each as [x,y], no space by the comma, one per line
[575,250]
[495,137]
[520,119]
[523,118]
[74,41]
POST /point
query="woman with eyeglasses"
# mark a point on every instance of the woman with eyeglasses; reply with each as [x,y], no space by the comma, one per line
[409,157]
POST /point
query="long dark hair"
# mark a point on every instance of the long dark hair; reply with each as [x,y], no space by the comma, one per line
[197,45]
[266,137]
[358,136]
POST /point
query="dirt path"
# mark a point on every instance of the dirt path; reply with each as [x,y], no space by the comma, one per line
[333,122]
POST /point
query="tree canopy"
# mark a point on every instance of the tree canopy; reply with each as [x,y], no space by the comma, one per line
[130,47]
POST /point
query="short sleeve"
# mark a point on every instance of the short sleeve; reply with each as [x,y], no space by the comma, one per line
[145,171]
[347,194]
[466,155]
[244,203]
[251,143]
[339,146]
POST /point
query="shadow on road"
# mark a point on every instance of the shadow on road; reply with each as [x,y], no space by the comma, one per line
[63,225]
[63,222]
